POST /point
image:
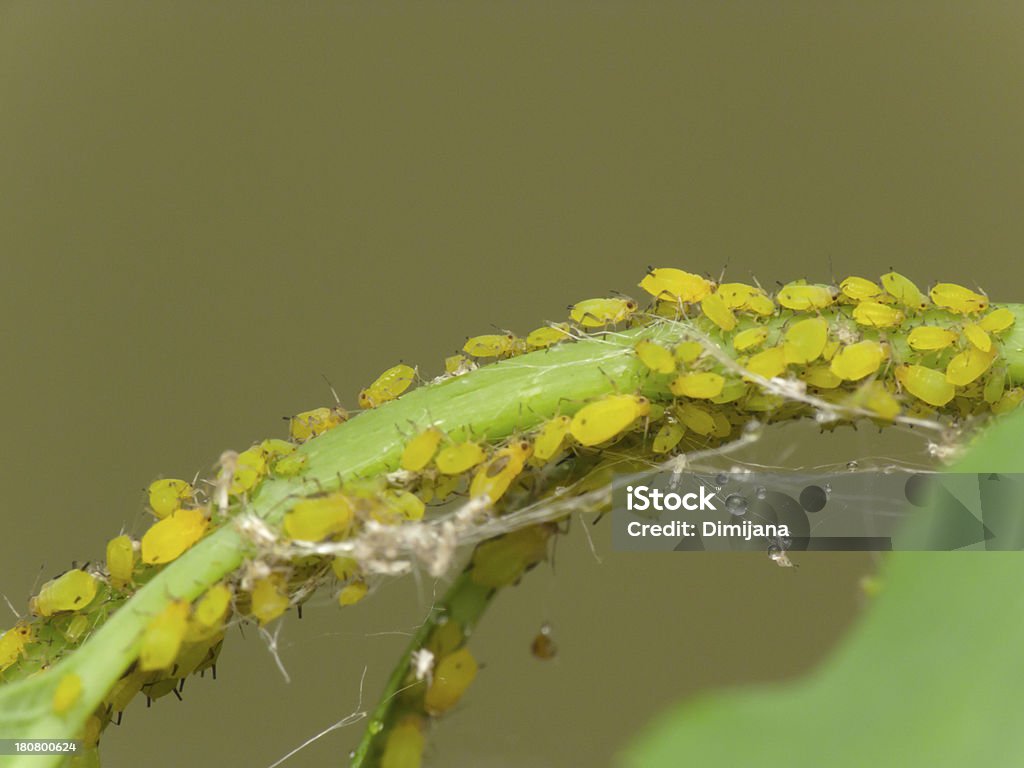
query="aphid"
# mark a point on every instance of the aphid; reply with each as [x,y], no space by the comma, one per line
[269,598]
[688,351]
[715,310]
[958,299]
[925,384]
[995,385]
[456,365]
[594,313]
[805,340]
[76,627]
[733,390]
[250,467]
[273,448]
[696,418]
[675,285]
[654,356]
[702,385]
[874,397]
[291,465]
[802,297]
[1008,401]
[749,338]
[491,345]
[452,677]
[904,291]
[13,642]
[997,320]
[495,477]
[68,691]
[421,449]
[388,386]
[542,338]
[209,613]
[551,437]
[928,338]
[761,304]
[668,436]
[162,638]
[977,336]
[831,347]
[968,366]
[820,376]
[543,646]
[857,360]
[71,591]
[404,745]
[399,506]
[352,593]
[859,288]
[738,295]
[608,417]
[875,315]
[120,559]
[459,457]
[769,363]
[345,568]
[167,495]
[318,518]
[502,561]
[167,539]
[309,424]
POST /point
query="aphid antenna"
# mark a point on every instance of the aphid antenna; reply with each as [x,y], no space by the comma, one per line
[330,386]
[11,605]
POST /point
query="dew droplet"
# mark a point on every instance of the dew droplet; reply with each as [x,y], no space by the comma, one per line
[376,726]
[852,465]
[828,489]
[736,504]
[721,479]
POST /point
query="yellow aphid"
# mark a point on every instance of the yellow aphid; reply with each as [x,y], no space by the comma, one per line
[456,365]
[805,340]
[769,363]
[1008,401]
[749,339]
[273,448]
[831,347]
[904,291]
[345,568]
[688,351]
[495,477]
[604,419]
[805,297]
[389,385]
[69,690]
[715,310]
[167,495]
[857,360]
[928,338]
[875,315]
[723,428]
[675,285]
[696,418]
[318,518]
[290,465]
[978,337]
[404,745]
[76,627]
[997,320]
[452,677]
[994,386]
[459,457]
[874,397]
[668,436]
[550,438]
[120,559]
[737,295]
[250,467]
[502,561]
[169,538]
[13,642]
[820,376]
[968,366]
[958,299]
[925,384]
[162,638]
[421,449]
[210,612]
[761,304]
[71,591]
[703,386]
[656,357]
[269,598]
[491,345]
[399,506]
[352,593]
[542,338]
[308,424]
[859,288]
[594,313]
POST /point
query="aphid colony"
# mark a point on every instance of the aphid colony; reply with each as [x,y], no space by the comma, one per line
[702,351]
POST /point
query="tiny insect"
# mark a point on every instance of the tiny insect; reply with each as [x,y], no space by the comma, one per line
[308,424]
[801,297]
[738,295]
[769,363]
[668,436]
[805,340]
[543,646]
[696,418]
[459,457]
[68,691]
[876,315]
[209,613]
[318,518]
[857,360]
[421,449]
[656,357]
[121,558]
[167,495]
[977,336]
[820,376]
[250,468]
[688,351]
[925,384]
[928,338]
[404,745]
[345,568]
[388,386]
[167,539]
[997,320]
[399,506]
[702,385]
[609,417]
[967,366]
[544,337]
[491,345]
[269,598]
[495,477]
[352,593]
[595,313]
[453,675]
[502,561]
[874,397]
[163,636]
[551,437]
[71,591]
[675,285]
[715,310]
[904,291]
[751,338]
[859,288]
[13,642]
[457,365]
[958,299]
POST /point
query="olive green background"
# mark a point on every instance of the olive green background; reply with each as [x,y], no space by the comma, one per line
[205,207]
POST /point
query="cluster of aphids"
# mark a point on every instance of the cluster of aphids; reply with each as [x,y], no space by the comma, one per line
[883,350]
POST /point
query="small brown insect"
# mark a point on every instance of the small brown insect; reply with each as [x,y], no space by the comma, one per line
[543,646]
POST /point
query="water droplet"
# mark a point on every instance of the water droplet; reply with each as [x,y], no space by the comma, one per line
[852,465]
[761,492]
[376,726]
[828,489]
[736,504]
[721,478]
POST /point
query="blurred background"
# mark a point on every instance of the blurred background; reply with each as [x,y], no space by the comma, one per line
[205,209]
